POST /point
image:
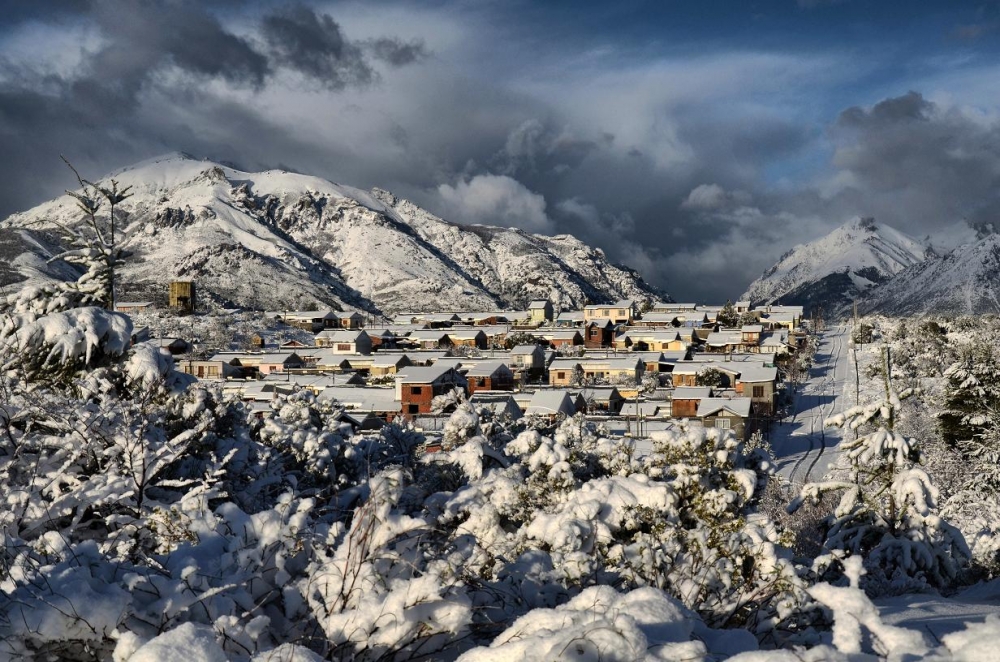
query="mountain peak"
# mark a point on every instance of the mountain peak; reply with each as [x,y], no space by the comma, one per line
[833,270]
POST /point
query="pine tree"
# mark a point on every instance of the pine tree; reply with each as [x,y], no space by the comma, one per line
[888,512]
[94,243]
[972,394]
[728,317]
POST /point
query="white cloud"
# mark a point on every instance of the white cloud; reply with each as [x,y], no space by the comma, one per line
[494,200]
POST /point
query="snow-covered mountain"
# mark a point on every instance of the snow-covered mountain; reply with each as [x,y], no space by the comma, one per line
[281,240]
[963,281]
[833,270]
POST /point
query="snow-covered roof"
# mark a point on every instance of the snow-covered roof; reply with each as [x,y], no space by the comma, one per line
[611,363]
[570,316]
[737,406]
[752,328]
[722,338]
[547,402]
[750,372]
[342,335]
[363,399]
[465,333]
[487,369]
[692,392]
[521,350]
[538,303]
[424,374]
[646,409]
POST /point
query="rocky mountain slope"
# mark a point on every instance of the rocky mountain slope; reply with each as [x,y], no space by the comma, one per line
[836,269]
[279,240]
[963,281]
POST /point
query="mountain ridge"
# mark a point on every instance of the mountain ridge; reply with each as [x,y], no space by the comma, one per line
[318,242]
[833,270]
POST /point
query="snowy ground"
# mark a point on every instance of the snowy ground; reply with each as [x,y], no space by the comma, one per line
[803,447]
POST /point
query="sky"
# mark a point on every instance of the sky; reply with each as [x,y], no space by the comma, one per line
[693,141]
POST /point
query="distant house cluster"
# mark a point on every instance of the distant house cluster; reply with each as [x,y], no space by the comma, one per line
[636,370]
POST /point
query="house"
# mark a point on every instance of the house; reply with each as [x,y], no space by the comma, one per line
[750,336]
[417,387]
[686,373]
[490,376]
[278,362]
[570,319]
[207,369]
[326,359]
[528,358]
[643,340]
[742,307]
[314,383]
[345,341]
[496,334]
[685,400]
[349,319]
[649,409]
[133,306]
[757,382]
[780,320]
[561,338]
[725,414]
[307,320]
[429,339]
[550,404]
[615,370]
[658,320]
[563,372]
[776,342]
[724,341]
[254,364]
[599,333]
[381,402]
[388,364]
[621,312]
[603,400]
[468,336]
[436,320]
[540,311]
[501,403]
[671,307]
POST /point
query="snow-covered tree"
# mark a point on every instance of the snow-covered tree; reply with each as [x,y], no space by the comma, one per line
[888,511]
[728,317]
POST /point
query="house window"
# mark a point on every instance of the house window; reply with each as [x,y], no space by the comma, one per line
[722,423]
[560,375]
[758,391]
[413,409]
[416,390]
[343,348]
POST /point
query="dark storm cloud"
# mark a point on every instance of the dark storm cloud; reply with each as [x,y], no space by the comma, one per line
[101,111]
[396,52]
[302,39]
[917,165]
[145,35]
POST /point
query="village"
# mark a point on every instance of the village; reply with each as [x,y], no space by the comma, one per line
[633,369]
